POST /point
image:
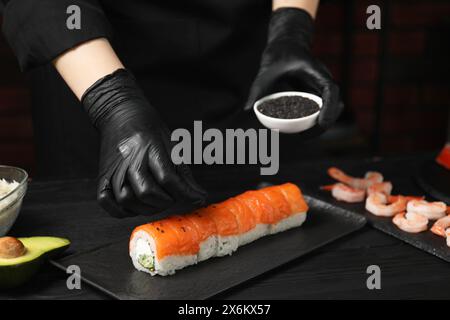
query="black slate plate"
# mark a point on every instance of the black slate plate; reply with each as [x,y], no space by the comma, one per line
[109,268]
[426,241]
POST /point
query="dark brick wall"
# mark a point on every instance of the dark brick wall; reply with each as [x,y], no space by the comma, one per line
[396,85]
[410,80]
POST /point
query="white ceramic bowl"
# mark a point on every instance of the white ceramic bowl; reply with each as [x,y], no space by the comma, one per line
[11,203]
[288,125]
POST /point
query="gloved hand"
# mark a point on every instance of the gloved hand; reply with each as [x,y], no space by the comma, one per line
[287,64]
[136,173]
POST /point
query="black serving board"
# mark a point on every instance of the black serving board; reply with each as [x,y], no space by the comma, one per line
[109,267]
[403,173]
[426,241]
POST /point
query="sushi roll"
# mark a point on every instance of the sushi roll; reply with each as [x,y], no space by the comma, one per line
[227,228]
[164,246]
[298,209]
[249,228]
[207,232]
[262,213]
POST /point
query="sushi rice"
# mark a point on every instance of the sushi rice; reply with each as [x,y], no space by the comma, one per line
[5,188]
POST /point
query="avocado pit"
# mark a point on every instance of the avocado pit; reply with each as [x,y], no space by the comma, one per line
[11,248]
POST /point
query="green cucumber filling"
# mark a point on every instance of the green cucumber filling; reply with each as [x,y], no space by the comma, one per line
[147,261]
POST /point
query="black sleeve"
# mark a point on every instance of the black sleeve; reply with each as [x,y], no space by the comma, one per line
[37,29]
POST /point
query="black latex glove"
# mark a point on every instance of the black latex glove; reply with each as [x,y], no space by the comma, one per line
[136,173]
[287,64]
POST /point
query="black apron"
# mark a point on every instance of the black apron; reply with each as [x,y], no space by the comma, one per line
[194,61]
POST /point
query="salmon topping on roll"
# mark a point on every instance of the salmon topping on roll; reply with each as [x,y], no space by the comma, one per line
[161,247]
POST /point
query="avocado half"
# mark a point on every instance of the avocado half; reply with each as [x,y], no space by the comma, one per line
[16,271]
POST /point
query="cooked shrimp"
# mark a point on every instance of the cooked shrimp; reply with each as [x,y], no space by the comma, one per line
[410,222]
[383,187]
[393,198]
[440,226]
[370,178]
[431,210]
[377,204]
[373,177]
[345,193]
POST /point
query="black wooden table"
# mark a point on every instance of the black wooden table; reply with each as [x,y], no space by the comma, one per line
[337,271]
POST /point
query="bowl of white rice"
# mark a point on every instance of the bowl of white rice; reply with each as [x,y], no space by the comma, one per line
[13,186]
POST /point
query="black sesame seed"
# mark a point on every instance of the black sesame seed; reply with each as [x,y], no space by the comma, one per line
[288,107]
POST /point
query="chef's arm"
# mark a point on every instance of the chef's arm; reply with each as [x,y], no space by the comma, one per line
[136,172]
[38,31]
[84,64]
[288,63]
[309,6]
[43,31]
